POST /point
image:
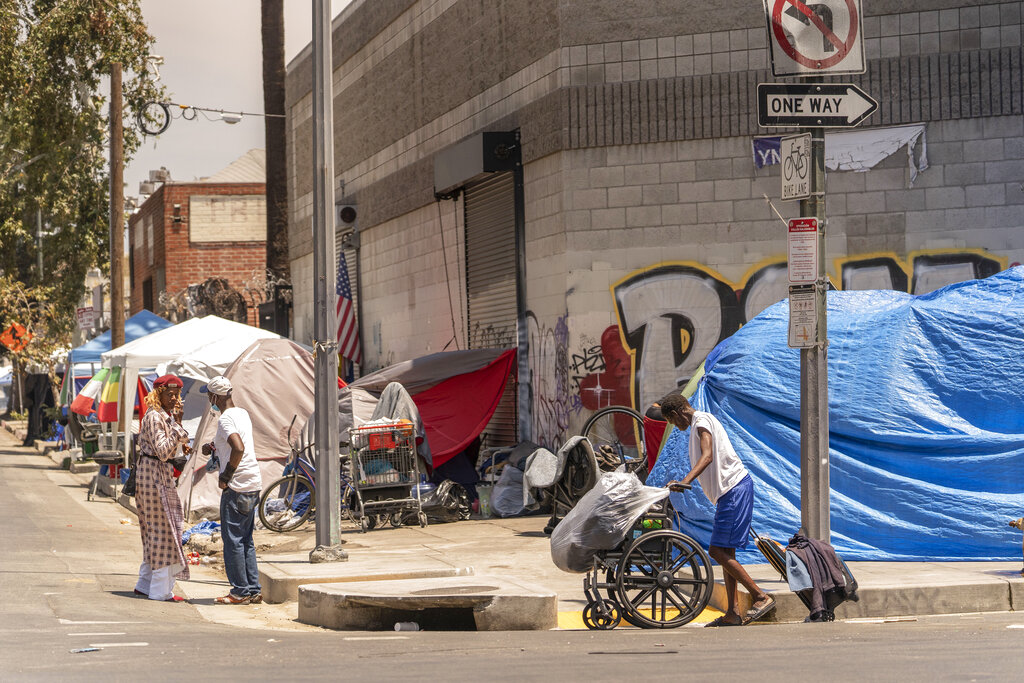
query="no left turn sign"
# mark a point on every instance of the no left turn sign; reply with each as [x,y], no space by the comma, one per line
[809,37]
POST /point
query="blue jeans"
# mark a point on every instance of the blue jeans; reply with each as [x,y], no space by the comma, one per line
[237,518]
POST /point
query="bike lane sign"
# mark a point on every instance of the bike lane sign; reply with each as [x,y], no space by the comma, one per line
[810,37]
[803,251]
[795,157]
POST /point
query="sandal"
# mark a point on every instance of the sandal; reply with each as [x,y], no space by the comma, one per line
[755,614]
[230,599]
[175,598]
[720,621]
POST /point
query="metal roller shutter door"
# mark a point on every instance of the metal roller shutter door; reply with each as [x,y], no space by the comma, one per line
[491,306]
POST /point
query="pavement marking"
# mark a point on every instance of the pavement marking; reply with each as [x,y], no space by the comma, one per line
[112,633]
[118,644]
[69,621]
[1015,626]
[573,621]
[376,638]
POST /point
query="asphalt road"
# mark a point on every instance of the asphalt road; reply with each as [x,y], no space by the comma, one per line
[68,568]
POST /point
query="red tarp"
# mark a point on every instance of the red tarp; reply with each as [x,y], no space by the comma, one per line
[456,410]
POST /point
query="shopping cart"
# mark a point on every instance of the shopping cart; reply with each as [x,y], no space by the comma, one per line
[385,472]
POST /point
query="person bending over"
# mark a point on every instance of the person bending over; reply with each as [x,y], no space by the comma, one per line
[728,485]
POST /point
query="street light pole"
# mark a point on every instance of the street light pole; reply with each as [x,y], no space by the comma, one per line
[328,480]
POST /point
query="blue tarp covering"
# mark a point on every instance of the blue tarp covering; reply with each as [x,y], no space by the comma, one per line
[926,422]
[139,325]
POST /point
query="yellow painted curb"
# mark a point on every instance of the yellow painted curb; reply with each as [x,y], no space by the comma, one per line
[573,621]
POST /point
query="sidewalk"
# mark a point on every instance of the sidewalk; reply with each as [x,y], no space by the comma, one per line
[517,549]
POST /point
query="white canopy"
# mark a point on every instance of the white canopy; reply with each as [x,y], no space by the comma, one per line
[208,346]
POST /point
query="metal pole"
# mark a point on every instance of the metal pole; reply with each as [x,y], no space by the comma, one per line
[116,210]
[39,239]
[814,465]
[328,509]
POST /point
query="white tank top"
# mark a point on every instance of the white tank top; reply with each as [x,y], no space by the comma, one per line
[726,469]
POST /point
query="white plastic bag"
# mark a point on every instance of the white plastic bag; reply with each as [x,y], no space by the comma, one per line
[600,520]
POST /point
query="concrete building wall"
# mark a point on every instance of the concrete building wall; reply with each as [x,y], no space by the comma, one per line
[648,236]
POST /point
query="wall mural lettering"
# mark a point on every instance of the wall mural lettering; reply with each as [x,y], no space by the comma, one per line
[672,314]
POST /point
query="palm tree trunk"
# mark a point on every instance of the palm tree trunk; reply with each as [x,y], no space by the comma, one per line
[272,14]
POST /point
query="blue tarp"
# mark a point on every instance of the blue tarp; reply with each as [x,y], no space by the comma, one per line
[139,325]
[926,422]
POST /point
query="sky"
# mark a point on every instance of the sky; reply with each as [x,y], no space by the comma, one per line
[212,58]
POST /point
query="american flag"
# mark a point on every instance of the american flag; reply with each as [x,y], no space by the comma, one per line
[348,332]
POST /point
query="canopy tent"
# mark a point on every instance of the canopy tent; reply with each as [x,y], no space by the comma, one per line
[85,360]
[216,341]
[139,325]
[926,432]
[456,393]
[273,380]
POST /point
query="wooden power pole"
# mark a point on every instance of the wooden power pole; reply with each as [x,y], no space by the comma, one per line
[116,210]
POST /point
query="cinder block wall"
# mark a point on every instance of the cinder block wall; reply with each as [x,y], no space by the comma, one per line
[636,122]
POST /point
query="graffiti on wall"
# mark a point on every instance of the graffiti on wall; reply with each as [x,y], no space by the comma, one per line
[552,402]
[671,315]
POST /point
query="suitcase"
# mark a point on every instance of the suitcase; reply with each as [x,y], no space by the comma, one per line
[772,551]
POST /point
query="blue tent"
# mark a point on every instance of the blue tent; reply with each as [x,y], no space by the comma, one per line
[139,325]
[926,428]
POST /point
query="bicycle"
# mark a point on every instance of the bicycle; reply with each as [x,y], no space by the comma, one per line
[290,500]
[617,435]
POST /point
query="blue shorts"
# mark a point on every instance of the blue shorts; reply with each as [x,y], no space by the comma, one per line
[732,516]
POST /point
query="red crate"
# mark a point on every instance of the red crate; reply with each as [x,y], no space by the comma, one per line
[382,440]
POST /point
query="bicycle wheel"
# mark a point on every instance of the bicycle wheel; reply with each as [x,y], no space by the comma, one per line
[287,503]
[617,435]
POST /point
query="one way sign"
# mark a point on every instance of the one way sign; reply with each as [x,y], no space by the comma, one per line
[826,105]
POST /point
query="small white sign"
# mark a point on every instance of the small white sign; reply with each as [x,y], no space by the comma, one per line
[819,37]
[795,158]
[803,317]
[803,251]
[86,317]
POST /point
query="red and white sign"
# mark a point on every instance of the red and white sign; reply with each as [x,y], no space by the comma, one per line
[815,37]
[86,317]
[803,251]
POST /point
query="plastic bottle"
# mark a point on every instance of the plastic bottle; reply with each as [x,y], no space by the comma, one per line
[407,626]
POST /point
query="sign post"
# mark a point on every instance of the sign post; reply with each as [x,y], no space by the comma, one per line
[813,39]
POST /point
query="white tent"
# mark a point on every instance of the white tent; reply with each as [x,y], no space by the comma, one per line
[273,380]
[214,342]
[206,347]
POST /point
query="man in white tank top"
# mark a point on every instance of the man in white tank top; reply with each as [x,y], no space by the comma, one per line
[727,484]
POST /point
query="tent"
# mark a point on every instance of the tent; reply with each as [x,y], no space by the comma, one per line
[85,360]
[273,380]
[456,393]
[216,341]
[926,430]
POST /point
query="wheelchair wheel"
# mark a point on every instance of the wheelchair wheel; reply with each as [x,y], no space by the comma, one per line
[602,616]
[664,580]
[617,434]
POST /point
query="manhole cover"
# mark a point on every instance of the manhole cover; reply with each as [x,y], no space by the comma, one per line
[456,590]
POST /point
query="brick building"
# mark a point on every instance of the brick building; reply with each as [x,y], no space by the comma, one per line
[188,232]
[612,223]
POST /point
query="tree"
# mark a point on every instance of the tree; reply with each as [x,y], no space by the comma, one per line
[53,140]
[272,13]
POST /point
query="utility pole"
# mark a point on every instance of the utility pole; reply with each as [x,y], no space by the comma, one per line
[116,210]
[814,460]
[325,326]
[39,241]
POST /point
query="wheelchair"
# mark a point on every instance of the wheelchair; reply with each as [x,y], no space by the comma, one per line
[656,578]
